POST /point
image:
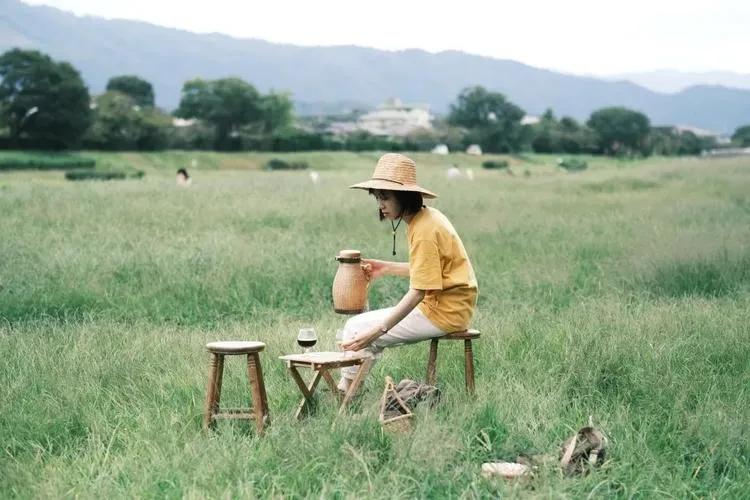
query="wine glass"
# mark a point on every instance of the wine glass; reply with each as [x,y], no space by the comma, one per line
[306,338]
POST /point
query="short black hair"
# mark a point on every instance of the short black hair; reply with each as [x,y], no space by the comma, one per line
[183,172]
[411,201]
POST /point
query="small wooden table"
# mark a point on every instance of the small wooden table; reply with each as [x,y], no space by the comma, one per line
[320,363]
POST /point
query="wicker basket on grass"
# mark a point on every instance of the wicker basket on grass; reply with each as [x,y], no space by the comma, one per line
[395,416]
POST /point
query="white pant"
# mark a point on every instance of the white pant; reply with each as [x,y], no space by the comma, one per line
[413,328]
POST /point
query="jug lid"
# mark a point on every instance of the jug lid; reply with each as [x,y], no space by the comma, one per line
[350,256]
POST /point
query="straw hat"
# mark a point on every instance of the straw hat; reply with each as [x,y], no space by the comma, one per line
[395,172]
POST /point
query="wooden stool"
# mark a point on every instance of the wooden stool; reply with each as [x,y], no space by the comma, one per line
[320,363]
[467,336]
[259,409]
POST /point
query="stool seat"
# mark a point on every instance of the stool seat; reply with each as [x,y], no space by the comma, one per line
[235,347]
[466,334]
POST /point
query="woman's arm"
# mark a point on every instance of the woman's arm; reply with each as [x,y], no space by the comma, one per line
[376,268]
[403,308]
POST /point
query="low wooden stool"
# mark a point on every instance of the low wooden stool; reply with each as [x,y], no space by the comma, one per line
[320,363]
[259,409]
[467,336]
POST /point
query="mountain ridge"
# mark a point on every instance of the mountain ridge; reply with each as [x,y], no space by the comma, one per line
[167,57]
[672,81]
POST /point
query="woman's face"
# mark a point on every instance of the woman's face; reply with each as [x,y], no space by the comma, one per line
[387,203]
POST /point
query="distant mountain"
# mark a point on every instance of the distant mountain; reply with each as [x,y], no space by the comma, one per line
[670,81]
[343,77]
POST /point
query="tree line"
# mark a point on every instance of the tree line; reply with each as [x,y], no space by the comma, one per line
[44,104]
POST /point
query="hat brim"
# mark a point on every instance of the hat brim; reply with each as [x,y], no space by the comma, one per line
[393,186]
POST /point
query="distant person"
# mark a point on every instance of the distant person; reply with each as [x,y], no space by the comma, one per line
[183,179]
[454,172]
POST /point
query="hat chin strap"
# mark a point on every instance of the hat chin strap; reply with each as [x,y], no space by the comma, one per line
[400,218]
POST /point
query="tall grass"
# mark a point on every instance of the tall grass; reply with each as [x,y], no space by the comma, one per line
[620,294]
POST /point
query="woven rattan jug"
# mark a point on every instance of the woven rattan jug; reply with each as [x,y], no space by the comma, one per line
[350,284]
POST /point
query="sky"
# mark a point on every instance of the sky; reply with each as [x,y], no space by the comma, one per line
[576,36]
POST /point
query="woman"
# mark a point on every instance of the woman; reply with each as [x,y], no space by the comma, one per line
[442,286]
[183,179]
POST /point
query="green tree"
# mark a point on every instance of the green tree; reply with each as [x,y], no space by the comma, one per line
[620,130]
[227,104]
[545,134]
[563,136]
[120,124]
[492,120]
[43,100]
[568,124]
[670,141]
[741,136]
[137,88]
[276,110]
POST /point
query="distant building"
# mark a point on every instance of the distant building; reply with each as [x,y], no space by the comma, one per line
[342,128]
[393,118]
[727,152]
[182,122]
[530,120]
[700,132]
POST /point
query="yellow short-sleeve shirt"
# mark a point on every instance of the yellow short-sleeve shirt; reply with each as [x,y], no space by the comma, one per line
[438,264]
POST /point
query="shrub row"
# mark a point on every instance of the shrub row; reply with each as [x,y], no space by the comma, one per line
[572,164]
[276,164]
[495,164]
[27,161]
[102,175]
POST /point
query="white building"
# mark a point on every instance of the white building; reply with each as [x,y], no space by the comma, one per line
[396,119]
[700,132]
[181,122]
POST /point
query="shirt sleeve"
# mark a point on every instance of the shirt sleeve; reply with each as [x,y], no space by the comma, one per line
[425,271]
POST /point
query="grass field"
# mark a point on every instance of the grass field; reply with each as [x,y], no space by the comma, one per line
[620,294]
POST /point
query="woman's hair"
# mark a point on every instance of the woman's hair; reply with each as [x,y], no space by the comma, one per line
[183,172]
[411,202]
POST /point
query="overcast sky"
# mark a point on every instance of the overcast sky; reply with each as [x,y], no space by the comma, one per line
[577,36]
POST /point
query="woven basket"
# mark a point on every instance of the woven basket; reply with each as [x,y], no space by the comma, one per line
[396,419]
[402,423]
[350,284]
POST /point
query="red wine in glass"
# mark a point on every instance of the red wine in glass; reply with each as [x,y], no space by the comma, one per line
[307,338]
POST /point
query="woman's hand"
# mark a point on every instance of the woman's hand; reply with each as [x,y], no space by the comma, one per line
[361,340]
[374,268]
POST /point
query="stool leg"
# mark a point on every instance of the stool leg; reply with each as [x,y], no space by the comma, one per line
[259,403]
[431,361]
[219,380]
[468,366]
[263,396]
[216,361]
